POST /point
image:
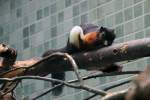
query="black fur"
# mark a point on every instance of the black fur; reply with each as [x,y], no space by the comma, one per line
[104,33]
[108,34]
[113,68]
[58,75]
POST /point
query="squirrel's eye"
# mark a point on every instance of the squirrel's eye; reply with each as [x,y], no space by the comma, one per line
[4,45]
[103,34]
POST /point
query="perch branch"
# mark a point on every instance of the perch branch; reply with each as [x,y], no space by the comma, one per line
[94,60]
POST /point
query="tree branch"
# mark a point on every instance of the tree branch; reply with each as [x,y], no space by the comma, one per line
[120,95]
[75,67]
[139,91]
[89,77]
[54,80]
[90,97]
[94,60]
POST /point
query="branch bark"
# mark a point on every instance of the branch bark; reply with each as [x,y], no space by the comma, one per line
[94,60]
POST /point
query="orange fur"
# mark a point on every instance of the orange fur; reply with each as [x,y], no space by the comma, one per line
[91,37]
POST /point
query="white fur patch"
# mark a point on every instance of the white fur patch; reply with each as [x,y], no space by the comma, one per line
[75,34]
[3,48]
[105,42]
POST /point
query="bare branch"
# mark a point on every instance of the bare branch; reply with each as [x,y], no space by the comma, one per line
[116,95]
[95,60]
[111,86]
[45,92]
[117,84]
[89,77]
[75,67]
[140,90]
[54,80]
[105,74]
[98,60]
[90,97]
[141,87]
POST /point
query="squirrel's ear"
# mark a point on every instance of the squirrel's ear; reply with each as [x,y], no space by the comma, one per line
[101,29]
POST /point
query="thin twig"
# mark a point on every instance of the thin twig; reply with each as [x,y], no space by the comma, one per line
[118,82]
[105,74]
[89,77]
[100,92]
[88,98]
[112,85]
[116,85]
[92,76]
[120,95]
[93,90]
[75,67]
[44,93]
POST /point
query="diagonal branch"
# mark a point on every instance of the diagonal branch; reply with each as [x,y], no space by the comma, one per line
[120,95]
[75,67]
[89,77]
[53,80]
[45,92]
[90,97]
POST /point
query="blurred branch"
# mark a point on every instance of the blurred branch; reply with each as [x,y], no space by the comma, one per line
[139,91]
[112,85]
[120,95]
[90,97]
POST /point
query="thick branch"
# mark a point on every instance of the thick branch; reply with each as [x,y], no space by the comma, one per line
[98,59]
